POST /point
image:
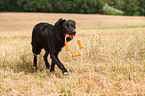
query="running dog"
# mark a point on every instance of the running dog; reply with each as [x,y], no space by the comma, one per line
[51,38]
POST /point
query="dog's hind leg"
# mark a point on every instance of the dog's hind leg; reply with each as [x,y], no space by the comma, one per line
[46,61]
[35,61]
[52,66]
[36,50]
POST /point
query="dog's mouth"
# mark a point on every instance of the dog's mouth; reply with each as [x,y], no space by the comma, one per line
[71,37]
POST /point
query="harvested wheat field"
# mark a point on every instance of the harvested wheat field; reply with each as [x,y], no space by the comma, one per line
[112,63]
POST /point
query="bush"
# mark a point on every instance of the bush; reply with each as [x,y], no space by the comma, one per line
[108,10]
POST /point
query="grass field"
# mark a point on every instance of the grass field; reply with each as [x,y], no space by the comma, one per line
[112,63]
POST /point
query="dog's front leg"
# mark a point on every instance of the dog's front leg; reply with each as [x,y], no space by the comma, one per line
[59,64]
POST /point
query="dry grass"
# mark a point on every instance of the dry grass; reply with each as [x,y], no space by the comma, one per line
[26,21]
[113,61]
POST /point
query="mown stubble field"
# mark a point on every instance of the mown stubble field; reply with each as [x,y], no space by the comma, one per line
[112,63]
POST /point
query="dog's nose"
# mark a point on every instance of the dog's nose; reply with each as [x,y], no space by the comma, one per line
[74,32]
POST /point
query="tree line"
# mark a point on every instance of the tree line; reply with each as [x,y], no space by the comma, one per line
[111,7]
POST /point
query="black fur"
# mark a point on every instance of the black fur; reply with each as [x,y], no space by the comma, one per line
[51,38]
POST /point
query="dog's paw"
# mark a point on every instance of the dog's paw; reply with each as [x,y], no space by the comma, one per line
[52,70]
[48,67]
[65,73]
[35,68]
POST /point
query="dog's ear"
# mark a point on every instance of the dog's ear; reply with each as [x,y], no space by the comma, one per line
[59,22]
[73,22]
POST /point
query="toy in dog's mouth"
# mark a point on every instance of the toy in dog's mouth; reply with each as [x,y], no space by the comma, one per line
[69,37]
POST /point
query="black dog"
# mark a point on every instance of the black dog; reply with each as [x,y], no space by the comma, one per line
[52,39]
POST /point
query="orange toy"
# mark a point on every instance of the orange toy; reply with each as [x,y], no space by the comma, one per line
[67,48]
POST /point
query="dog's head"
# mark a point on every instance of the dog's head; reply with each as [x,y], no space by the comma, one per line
[67,26]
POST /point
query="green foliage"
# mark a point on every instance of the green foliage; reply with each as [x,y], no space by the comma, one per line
[111,11]
[35,5]
[129,7]
[78,6]
[1,5]
[114,7]
[91,6]
[8,5]
[141,7]
[118,4]
[59,6]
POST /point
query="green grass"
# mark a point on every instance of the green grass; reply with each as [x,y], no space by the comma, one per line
[114,27]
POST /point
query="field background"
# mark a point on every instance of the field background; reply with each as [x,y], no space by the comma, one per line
[112,63]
